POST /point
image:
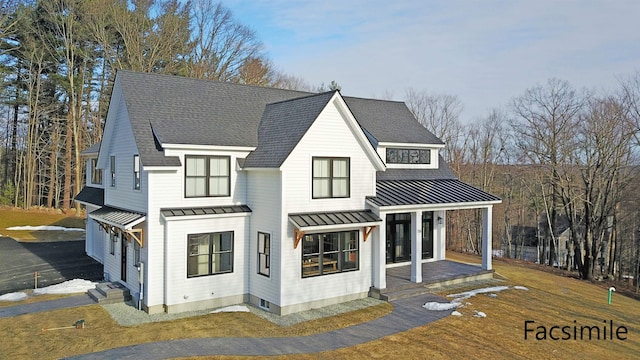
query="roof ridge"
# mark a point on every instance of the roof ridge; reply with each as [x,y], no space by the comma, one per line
[303,97]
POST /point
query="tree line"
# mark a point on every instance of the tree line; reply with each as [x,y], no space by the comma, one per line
[563,160]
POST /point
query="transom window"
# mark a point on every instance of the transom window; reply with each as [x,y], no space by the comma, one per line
[408,156]
[264,254]
[209,254]
[329,253]
[207,176]
[330,177]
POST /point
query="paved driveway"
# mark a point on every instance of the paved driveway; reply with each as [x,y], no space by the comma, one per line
[55,262]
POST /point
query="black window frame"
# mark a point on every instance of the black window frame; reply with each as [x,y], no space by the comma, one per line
[207,176]
[264,254]
[113,240]
[112,167]
[96,174]
[327,265]
[211,253]
[136,172]
[408,156]
[331,178]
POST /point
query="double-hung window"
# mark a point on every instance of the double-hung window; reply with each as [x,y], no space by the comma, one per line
[209,254]
[96,174]
[330,177]
[264,261]
[207,176]
[136,172]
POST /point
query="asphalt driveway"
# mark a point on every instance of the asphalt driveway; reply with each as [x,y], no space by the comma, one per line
[55,262]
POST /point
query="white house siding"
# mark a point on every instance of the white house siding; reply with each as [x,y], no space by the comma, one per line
[183,293]
[122,144]
[329,136]
[94,239]
[264,198]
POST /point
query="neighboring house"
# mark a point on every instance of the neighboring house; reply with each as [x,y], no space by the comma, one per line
[214,194]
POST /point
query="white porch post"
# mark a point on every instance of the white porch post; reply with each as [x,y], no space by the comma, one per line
[416,247]
[487,227]
[379,256]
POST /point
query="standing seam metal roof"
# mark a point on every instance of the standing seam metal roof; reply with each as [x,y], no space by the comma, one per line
[333,218]
[418,192]
[213,210]
[117,217]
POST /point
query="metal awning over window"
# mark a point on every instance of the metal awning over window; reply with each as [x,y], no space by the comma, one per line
[203,211]
[118,220]
[333,221]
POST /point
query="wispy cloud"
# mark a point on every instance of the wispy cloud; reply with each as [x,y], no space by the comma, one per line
[486,52]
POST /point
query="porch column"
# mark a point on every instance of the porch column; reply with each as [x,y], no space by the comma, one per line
[379,255]
[416,247]
[487,227]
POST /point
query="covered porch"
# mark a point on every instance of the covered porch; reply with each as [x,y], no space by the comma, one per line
[411,241]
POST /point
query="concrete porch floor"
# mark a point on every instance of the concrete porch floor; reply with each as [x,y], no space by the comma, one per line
[434,274]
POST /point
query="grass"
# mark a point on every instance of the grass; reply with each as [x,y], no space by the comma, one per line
[18,217]
[551,300]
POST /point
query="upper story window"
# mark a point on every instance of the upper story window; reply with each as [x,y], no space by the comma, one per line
[207,176]
[136,172]
[112,166]
[408,156]
[330,177]
[96,174]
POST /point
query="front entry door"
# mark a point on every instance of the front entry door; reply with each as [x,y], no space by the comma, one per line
[123,253]
[398,237]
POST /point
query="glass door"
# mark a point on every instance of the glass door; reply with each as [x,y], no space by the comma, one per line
[427,235]
[398,237]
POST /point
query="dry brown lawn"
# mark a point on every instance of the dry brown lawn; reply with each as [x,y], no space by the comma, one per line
[551,300]
[18,217]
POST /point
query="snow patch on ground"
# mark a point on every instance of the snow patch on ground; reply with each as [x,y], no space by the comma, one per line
[67,287]
[234,308]
[471,293]
[479,314]
[521,288]
[456,313]
[43,228]
[436,306]
[15,296]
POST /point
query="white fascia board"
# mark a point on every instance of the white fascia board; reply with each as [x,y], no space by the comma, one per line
[207,147]
[410,145]
[205,216]
[423,207]
[161,168]
[361,137]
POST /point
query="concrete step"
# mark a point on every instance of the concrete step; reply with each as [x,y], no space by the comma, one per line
[109,293]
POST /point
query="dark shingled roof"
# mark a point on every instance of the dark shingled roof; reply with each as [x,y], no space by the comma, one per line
[417,192]
[117,217]
[282,126]
[303,220]
[91,195]
[390,121]
[212,210]
[166,109]
[93,149]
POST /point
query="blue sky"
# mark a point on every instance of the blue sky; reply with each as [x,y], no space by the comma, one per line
[485,52]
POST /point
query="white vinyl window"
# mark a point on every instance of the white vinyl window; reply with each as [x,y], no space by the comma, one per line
[136,172]
[330,177]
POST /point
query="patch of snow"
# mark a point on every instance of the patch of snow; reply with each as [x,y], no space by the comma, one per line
[67,287]
[471,293]
[518,287]
[436,306]
[234,308]
[479,314]
[14,296]
[456,313]
[493,295]
[44,228]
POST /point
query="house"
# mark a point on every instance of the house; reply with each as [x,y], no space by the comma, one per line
[205,194]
